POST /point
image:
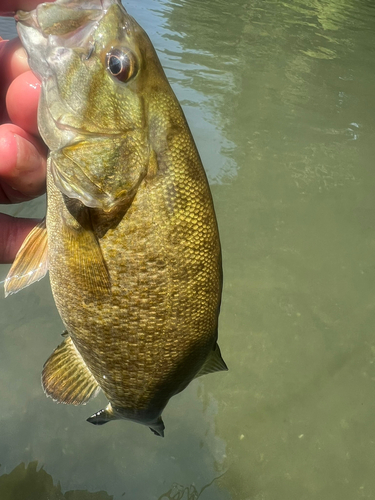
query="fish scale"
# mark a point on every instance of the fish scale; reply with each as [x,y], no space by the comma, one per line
[133,245]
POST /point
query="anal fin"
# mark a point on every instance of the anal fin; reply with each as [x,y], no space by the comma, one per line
[66,377]
[214,363]
[31,262]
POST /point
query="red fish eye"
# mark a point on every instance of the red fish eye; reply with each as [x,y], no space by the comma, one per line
[122,65]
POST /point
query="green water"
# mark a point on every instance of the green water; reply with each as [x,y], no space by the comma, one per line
[280,99]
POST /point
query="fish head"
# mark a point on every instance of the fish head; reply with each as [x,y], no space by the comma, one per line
[101,83]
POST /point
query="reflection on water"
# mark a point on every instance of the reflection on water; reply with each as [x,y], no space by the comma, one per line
[29,483]
[201,77]
[279,96]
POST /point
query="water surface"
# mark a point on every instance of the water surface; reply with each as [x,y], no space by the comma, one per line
[280,99]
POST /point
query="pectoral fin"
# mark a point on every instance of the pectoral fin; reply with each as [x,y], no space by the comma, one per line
[214,363]
[31,262]
[87,256]
[66,377]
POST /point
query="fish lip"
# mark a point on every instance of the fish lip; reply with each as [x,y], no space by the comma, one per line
[23,16]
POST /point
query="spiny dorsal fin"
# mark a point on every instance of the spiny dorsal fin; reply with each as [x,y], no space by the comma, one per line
[66,377]
[214,363]
[31,262]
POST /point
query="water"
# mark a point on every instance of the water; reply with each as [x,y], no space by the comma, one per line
[280,98]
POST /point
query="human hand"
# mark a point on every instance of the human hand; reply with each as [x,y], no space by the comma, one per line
[22,152]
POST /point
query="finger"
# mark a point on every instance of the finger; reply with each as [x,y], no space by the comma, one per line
[9,7]
[22,101]
[13,60]
[13,231]
[22,166]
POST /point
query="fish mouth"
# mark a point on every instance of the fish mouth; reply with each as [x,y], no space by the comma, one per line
[66,23]
[63,16]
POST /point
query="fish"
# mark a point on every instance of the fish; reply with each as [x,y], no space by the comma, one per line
[130,237]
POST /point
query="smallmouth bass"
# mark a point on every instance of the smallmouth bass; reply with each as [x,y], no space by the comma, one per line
[130,237]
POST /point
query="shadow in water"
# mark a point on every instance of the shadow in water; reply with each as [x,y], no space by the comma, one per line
[32,484]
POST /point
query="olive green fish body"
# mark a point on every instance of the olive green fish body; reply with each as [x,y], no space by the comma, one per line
[133,245]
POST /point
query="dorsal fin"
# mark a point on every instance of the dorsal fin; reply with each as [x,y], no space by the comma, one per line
[66,377]
[31,262]
[214,363]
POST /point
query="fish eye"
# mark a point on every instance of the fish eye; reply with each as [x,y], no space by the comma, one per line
[121,64]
